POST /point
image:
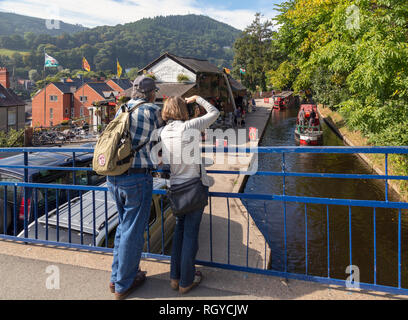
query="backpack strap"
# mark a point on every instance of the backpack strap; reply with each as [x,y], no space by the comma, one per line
[136,106]
[133,151]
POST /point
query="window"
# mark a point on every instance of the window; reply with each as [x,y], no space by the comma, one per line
[66,111]
[12,119]
[10,190]
[152,217]
[54,98]
[51,113]
[83,98]
[72,113]
[81,112]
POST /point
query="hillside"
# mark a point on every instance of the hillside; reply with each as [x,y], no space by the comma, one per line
[134,44]
[11,23]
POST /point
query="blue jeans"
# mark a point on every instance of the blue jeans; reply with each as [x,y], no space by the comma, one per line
[133,196]
[185,247]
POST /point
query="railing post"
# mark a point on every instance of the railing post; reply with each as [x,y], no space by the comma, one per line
[375,245]
[5,210]
[386,174]
[306,257]
[284,211]
[162,222]
[25,195]
[73,171]
[328,242]
[399,249]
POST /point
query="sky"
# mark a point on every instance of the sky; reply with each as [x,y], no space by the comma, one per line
[91,13]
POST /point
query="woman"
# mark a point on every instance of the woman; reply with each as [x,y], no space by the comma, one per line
[183,275]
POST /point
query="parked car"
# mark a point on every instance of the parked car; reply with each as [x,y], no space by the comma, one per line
[15,195]
[94,227]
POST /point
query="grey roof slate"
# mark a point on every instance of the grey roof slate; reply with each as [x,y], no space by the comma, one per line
[9,99]
[193,64]
[168,89]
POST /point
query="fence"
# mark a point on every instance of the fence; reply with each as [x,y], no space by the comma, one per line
[84,217]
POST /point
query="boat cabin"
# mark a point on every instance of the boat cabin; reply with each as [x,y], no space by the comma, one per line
[283,100]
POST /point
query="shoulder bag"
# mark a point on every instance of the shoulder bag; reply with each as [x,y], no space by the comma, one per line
[188,196]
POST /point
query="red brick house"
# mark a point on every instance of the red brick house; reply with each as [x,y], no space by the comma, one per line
[59,104]
[73,99]
[86,95]
[12,108]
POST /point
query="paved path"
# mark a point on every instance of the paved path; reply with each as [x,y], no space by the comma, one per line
[85,276]
[237,215]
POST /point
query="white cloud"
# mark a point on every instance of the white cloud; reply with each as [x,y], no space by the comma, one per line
[93,13]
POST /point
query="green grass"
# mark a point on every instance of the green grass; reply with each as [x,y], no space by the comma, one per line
[9,53]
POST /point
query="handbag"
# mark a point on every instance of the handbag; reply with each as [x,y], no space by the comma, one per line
[188,197]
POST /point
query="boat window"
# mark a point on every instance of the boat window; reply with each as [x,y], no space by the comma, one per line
[152,217]
[10,189]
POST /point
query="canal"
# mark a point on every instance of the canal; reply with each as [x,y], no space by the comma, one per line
[269,216]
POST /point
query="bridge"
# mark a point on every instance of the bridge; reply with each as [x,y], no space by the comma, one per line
[234,246]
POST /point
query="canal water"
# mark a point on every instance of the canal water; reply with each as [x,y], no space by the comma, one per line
[269,215]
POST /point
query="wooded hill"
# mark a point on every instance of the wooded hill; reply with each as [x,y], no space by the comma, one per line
[134,44]
[16,24]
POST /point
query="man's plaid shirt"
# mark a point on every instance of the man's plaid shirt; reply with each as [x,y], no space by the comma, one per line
[143,122]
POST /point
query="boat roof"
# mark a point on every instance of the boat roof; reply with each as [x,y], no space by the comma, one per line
[308,107]
[284,94]
[39,159]
[88,216]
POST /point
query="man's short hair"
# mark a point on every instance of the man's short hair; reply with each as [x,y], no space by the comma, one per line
[143,88]
[141,95]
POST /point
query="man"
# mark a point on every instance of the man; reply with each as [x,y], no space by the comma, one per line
[302,119]
[312,118]
[133,190]
[238,119]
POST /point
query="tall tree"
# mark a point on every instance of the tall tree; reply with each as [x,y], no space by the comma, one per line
[252,52]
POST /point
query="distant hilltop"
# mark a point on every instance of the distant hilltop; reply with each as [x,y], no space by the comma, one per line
[11,23]
[134,44]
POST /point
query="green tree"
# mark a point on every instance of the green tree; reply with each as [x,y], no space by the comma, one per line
[33,75]
[252,52]
[132,73]
[283,77]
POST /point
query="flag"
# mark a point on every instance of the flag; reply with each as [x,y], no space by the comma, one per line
[85,65]
[119,69]
[242,71]
[227,71]
[50,61]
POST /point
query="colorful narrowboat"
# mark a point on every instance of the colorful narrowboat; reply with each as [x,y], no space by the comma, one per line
[308,130]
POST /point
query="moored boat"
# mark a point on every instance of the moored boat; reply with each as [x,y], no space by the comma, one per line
[283,100]
[308,132]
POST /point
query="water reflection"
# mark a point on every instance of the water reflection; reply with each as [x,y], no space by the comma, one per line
[270,215]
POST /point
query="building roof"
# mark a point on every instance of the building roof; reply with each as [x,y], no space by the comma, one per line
[192,64]
[101,88]
[168,89]
[77,82]
[236,85]
[66,87]
[9,99]
[123,83]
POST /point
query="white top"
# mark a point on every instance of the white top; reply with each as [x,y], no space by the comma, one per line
[183,156]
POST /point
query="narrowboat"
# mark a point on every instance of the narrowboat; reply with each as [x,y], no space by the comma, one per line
[309,132]
[283,100]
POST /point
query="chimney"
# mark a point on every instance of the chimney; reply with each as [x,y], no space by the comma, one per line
[4,78]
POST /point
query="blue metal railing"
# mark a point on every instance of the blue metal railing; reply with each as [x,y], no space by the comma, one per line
[27,214]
